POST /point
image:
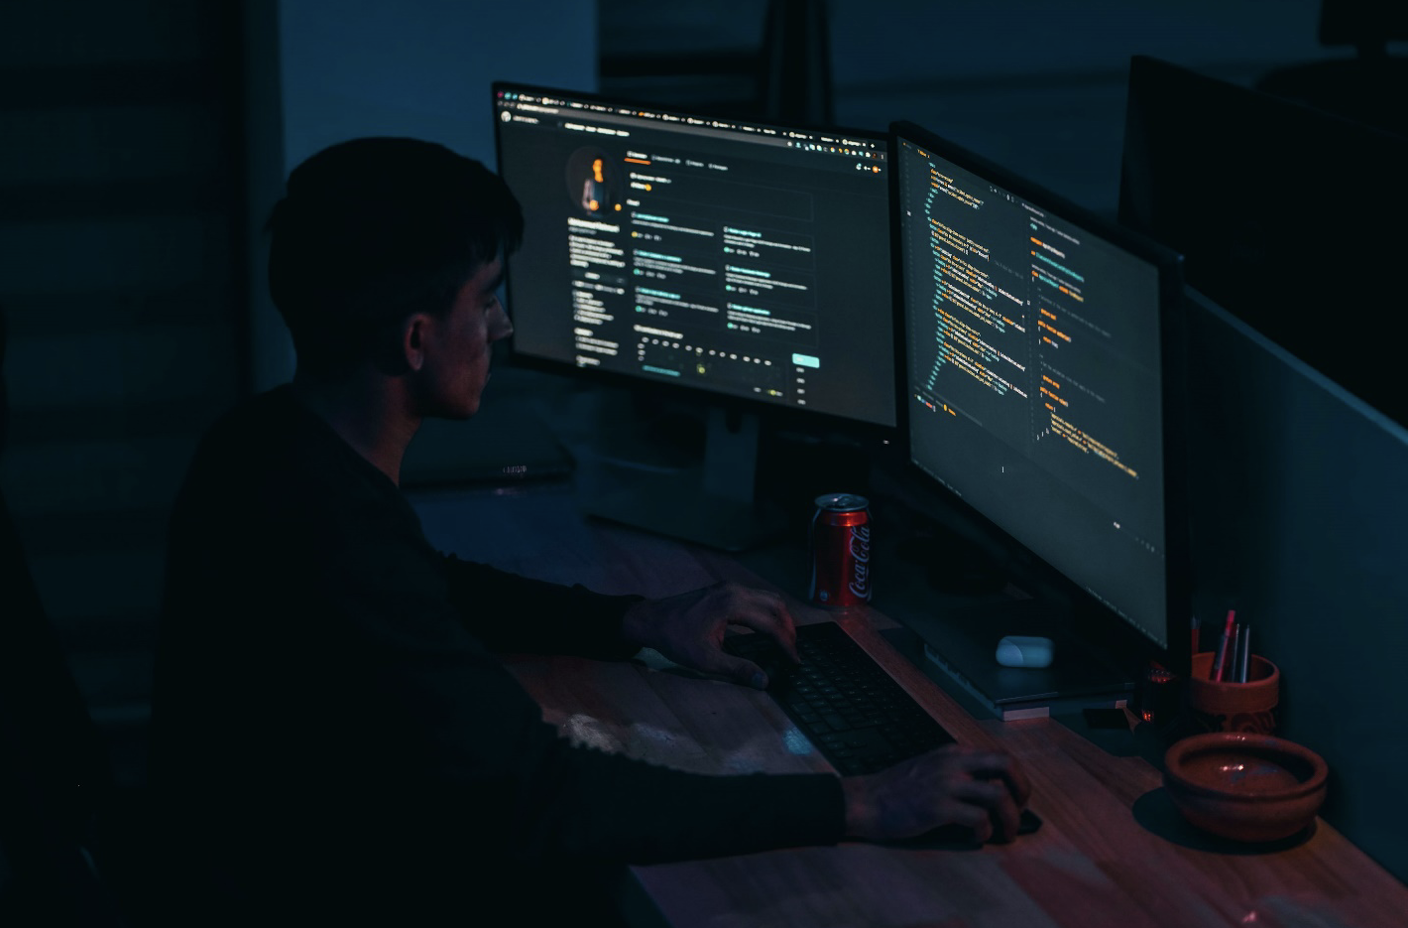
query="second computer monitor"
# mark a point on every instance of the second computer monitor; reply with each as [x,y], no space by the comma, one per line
[1037,352]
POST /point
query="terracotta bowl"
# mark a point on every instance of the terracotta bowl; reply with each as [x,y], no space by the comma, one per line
[1245,786]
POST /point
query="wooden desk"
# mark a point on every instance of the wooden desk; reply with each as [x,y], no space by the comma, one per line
[1098,860]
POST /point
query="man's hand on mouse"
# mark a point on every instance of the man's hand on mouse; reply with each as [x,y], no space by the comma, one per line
[689,628]
[982,790]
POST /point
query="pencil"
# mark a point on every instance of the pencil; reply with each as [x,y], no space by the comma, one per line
[1219,660]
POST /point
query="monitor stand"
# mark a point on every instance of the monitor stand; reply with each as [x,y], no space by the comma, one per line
[713,504]
[951,562]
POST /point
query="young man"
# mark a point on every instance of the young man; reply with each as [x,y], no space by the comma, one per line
[333,737]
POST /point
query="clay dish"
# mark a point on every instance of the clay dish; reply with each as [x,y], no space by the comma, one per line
[1245,786]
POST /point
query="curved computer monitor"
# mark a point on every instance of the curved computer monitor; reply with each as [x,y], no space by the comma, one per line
[1043,383]
[744,264]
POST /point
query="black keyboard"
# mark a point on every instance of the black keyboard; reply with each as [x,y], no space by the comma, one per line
[854,712]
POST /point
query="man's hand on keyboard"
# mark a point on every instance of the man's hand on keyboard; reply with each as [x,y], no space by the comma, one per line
[689,628]
[954,785]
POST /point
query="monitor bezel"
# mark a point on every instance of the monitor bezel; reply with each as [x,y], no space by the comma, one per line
[807,420]
[1129,643]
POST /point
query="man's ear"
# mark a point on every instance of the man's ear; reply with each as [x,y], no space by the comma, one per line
[414,332]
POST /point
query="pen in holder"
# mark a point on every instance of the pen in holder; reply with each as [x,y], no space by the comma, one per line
[1220,705]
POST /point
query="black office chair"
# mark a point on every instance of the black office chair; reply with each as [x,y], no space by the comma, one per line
[54,770]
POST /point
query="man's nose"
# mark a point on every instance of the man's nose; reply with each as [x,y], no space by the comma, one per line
[499,325]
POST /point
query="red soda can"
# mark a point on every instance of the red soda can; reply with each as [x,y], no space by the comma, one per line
[840,543]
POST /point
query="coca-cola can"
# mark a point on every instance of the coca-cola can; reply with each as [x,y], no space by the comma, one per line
[840,551]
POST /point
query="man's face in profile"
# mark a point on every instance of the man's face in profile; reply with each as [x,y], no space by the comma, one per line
[457,346]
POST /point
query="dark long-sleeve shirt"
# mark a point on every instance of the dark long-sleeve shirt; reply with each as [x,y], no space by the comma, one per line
[330,722]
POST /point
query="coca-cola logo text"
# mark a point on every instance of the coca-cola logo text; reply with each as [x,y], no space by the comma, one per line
[860,561]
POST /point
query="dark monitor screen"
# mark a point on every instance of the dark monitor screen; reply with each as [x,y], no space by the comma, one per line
[741,261]
[1036,372]
[1286,216]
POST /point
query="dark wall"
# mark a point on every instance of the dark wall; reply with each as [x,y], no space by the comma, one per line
[121,274]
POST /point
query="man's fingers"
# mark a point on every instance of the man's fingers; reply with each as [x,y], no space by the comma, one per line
[996,801]
[993,766]
[1020,785]
[970,816]
[1008,817]
[740,671]
[766,613]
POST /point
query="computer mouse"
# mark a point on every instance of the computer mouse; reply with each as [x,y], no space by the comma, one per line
[1024,651]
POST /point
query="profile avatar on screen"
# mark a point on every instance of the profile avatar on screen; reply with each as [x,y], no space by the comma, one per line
[591,182]
[594,190]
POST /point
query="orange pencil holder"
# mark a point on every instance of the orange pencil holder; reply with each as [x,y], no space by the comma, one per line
[1226,706]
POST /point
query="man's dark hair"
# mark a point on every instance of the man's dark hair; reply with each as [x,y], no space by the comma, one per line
[374,229]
